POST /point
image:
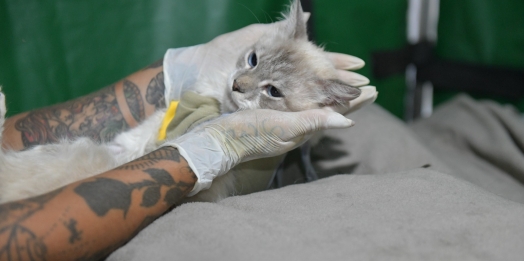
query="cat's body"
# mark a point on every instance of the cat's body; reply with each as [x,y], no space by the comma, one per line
[282,71]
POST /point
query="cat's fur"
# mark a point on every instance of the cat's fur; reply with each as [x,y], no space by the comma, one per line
[285,60]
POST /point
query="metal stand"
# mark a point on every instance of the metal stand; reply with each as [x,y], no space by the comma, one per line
[422,31]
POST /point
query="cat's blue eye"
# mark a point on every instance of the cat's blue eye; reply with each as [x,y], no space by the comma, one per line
[273,91]
[252,59]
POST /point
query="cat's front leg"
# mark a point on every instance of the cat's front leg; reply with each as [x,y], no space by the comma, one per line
[245,178]
[138,141]
[222,187]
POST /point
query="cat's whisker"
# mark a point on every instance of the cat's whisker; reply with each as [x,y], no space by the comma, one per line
[250,12]
[266,15]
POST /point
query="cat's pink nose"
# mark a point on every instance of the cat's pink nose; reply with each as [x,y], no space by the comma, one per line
[236,87]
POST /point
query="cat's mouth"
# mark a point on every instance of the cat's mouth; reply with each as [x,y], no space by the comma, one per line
[236,99]
[239,100]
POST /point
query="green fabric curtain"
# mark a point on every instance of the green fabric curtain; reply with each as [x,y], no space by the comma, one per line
[475,31]
[55,50]
[483,32]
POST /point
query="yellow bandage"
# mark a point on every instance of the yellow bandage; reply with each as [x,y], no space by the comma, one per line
[170,114]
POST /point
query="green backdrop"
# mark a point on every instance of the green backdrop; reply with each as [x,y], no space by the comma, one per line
[54,50]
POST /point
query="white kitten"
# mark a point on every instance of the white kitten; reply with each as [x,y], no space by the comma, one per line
[282,71]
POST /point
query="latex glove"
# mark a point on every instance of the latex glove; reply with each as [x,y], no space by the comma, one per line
[214,62]
[215,147]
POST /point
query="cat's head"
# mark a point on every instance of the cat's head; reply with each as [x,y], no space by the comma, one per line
[284,71]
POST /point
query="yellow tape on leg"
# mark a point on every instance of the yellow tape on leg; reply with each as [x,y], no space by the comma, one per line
[170,114]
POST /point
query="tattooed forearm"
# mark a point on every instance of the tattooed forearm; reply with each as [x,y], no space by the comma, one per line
[97,116]
[75,233]
[100,115]
[89,219]
[165,153]
[155,91]
[98,193]
[18,241]
[134,100]
[176,189]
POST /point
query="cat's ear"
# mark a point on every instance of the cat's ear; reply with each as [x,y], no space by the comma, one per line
[335,92]
[296,21]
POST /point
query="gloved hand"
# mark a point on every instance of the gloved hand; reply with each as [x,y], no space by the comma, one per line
[215,147]
[214,61]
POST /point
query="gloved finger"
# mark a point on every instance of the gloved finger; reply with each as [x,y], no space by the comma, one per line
[345,61]
[307,122]
[352,78]
[295,142]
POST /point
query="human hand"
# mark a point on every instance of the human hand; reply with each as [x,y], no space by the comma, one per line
[215,147]
[213,63]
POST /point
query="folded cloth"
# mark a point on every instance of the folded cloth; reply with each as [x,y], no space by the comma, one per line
[481,141]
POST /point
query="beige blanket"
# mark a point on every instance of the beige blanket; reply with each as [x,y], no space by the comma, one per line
[445,188]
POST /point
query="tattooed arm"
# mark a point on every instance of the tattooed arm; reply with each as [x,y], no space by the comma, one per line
[100,115]
[89,219]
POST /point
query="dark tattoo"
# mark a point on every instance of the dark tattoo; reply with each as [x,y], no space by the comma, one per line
[134,100]
[155,91]
[22,243]
[152,193]
[155,64]
[165,153]
[75,234]
[96,116]
[174,194]
[103,194]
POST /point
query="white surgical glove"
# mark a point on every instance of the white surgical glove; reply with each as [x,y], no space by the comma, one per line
[214,62]
[215,147]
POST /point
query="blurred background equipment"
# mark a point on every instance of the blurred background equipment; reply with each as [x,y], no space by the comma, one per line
[416,50]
